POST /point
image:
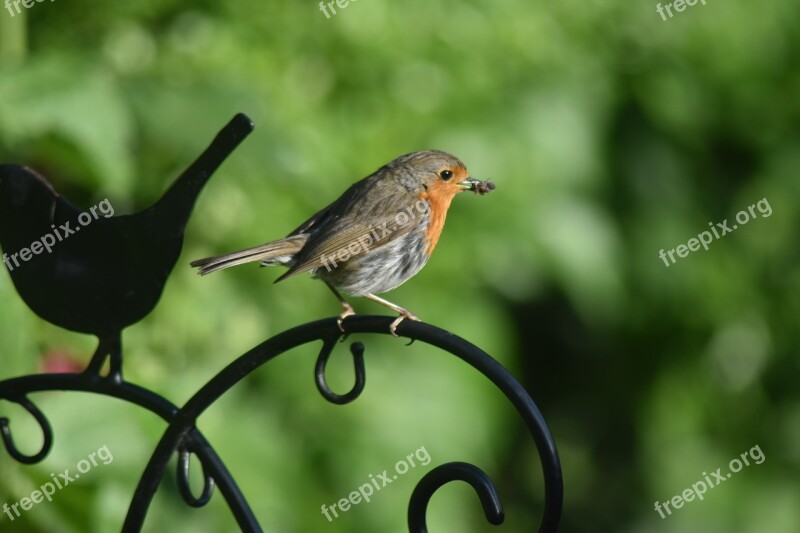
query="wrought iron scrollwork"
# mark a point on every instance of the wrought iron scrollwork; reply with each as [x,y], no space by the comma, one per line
[214,471]
[182,437]
[184,456]
[44,424]
[327,331]
[443,474]
[357,350]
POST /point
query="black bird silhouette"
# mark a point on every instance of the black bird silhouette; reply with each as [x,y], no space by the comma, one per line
[96,273]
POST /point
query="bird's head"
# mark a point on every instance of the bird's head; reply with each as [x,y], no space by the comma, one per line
[434,174]
[23,188]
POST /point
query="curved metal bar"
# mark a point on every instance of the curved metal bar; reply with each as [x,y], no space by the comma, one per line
[443,474]
[240,368]
[13,388]
[44,424]
[357,349]
[183,482]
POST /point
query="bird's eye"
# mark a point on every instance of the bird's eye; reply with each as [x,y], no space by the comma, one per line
[446,174]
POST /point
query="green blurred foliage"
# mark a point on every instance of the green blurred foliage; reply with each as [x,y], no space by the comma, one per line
[610,134]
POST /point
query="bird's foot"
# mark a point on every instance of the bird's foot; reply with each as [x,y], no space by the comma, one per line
[348,311]
[403,315]
[111,349]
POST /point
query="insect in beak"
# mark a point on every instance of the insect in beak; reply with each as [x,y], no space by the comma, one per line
[476,186]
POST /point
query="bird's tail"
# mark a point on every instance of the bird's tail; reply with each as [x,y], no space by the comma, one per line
[271,253]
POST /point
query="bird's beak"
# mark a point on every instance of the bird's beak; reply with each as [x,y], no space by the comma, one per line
[468,184]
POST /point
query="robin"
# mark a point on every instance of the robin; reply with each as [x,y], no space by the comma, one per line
[375,236]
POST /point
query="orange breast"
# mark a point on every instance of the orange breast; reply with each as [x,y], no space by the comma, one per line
[438,197]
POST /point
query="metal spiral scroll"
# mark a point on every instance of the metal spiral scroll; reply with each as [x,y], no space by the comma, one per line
[444,474]
[357,349]
[183,423]
[214,472]
[44,424]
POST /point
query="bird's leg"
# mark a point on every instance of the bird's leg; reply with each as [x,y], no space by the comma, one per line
[110,347]
[404,313]
[348,309]
[115,359]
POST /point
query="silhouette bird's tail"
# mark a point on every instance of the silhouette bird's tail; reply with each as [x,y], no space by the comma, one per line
[272,253]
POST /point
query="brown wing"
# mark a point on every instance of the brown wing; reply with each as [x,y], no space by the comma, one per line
[333,211]
[345,236]
[317,219]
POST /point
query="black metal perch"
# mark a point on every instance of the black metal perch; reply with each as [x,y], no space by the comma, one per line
[112,275]
[328,332]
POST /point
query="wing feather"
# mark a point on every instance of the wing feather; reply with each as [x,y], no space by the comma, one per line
[354,239]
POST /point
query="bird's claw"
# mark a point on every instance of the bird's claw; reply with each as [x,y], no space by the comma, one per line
[398,320]
[346,313]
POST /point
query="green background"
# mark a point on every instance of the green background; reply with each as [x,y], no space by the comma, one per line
[611,134]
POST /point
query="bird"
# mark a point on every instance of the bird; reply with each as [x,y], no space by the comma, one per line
[378,234]
[99,274]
